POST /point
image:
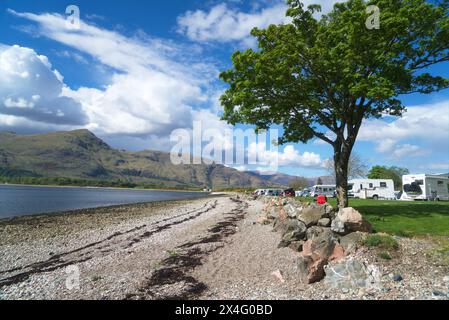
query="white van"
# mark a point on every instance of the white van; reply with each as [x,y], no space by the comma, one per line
[323,190]
[371,189]
[434,187]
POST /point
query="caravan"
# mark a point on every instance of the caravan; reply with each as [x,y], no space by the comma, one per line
[371,189]
[434,187]
[323,190]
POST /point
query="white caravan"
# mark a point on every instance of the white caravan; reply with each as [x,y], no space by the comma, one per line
[323,190]
[425,187]
[371,189]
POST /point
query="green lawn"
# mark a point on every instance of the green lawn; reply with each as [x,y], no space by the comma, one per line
[404,218]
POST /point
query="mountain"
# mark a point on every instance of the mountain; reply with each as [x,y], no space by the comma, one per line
[81,155]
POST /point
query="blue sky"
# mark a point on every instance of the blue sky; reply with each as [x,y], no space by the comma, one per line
[137,70]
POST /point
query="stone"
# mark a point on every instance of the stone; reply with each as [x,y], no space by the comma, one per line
[338,226]
[310,270]
[338,254]
[311,215]
[291,210]
[315,255]
[263,220]
[325,222]
[296,245]
[352,242]
[320,241]
[438,293]
[347,275]
[397,278]
[291,225]
[278,274]
[292,230]
[350,220]
[329,211]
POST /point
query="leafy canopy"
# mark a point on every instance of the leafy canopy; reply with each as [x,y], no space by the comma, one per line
[314,76]
[394,173]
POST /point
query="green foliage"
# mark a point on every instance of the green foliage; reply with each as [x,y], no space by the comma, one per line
[314,76]
[385,255]
[334,72]
[381,241]
[394,173]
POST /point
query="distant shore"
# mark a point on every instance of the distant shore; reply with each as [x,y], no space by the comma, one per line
[94,187]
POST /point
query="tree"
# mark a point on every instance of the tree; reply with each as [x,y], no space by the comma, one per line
[299,183]
[394,173]
[319,182]
[356,167]
[316,77]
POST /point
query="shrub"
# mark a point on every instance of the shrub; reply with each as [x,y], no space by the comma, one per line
[381,241]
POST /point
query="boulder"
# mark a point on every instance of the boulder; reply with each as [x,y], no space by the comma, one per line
[325,222]
[352,275]
[310,270]
[311,215]
[338,254]
[292,230]
[291,210]
[317,250]
[329,211]
[352,242]
[297,245]
[320,243]
[350,220]
[289,225]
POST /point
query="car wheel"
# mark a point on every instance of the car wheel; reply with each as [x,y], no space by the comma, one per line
[376,197]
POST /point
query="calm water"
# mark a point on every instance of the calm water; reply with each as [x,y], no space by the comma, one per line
[25,200]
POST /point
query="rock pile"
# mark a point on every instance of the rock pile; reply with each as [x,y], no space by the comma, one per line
[320,233]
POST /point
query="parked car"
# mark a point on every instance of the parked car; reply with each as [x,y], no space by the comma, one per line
[290,193]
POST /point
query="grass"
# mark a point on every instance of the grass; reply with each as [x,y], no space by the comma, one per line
[385,255]
[381,242]
[402,218]
[173,254]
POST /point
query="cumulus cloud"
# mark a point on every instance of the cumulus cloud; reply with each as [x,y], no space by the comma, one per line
[153,90]
[31,89]
[288,157]
[225,24]
[421,129]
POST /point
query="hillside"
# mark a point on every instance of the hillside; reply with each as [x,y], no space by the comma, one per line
[81,155]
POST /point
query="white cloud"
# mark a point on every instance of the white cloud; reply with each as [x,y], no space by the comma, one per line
[288,157]
[154,89]
[224,24]
[30,88]
[438,166]
[421,129]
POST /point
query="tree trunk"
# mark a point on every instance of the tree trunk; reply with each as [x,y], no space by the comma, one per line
[341,161]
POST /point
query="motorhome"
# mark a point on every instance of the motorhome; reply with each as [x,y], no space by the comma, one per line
[433,187]
[323,190]
[371,189]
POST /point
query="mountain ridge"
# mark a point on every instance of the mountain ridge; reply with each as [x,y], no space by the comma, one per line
[80,154]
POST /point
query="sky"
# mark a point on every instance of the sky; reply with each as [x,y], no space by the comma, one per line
[136,70]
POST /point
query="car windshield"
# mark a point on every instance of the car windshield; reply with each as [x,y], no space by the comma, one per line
[413,188]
